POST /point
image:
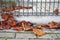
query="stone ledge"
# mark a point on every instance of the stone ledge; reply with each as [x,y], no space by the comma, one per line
[50,36]
[45,30]
[9,35]
[18,39]
[18,35]
[28,34]
[41,39]
[33,39]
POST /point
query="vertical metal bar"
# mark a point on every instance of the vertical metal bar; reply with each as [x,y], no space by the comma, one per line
[45,8]
[58,6]
[5,3]
[23,6]
[14,1]
[32,6]
[49,6]
[28,9]
[53,7]
[19,5]
[41,7]
[11,4]
[1,7]
[36,7]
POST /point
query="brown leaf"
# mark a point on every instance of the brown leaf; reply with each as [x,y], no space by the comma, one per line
[38,32]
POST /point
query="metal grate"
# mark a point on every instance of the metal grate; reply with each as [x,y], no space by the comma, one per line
[40,7]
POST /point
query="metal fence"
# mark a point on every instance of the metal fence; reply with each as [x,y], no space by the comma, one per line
[39,8]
